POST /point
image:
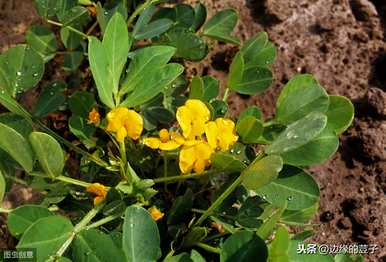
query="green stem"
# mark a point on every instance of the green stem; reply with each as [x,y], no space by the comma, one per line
[208,248]
[140,9]
[17,180]
[220,199]
[171,179]
[122,152]
[226,94]
[72,181]
[79,227]
[102,221]
[76,149]
[3,210]
[68,27]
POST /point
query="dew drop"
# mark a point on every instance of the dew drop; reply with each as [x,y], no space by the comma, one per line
[238,152]
[51,93]
[290,198]
[232,151]
[35,74]
[18,73]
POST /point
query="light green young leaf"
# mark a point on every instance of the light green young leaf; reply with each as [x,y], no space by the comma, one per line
[20,69]
[46,236]
[93,245]
[2,187]
[250,129]
[156,82]
[221,26]
[16,146]
[298,133]
[340,113]
[316,151]
[293,186]
[22,217]
[243,246]
[48,152]
[144,64]
[116,43]
[99,63]
[300,96]
[262,172]
[42,40]
[141,239]
[278,249]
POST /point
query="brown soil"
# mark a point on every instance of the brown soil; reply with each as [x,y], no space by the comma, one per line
[341,42]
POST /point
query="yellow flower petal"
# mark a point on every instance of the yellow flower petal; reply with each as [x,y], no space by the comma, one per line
[94,117]
[187,159]
[152,142]
[155,213]
[184,119]
[134,124]
[99,190]
[199,166]
[121,134]
[169,146]
[164,135]
[211,132]
[177,137]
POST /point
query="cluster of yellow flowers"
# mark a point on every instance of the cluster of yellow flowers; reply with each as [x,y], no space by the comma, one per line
[200,137]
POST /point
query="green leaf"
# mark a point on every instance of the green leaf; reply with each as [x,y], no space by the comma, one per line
[199,16]
[144,19]
[48,152]
[243,246]
[348,258]
[236,70]
[22,217]
[2,187]
[196,88]
[298,133]
[144,65]
[79,127]
[70,39]
[50,99]
[340,113]
[270,222]
[300,96]
[157,81]
[72,60]
[141,239]
[250,129]
[81,103]
[185,15]
[63,6]
[77,16]
[99,63]
[16,146]
[180,208]
[42,40]
[262,172]
[46,236]
[249,212]
[222,161]
[294,186]
[221,26]
[195,235]
[116,43]
[258,51]
[251,111]
[154,29]
[211,88]
[196,257]
[18,123]
[12,105]
[20,69]
[278,249]
[46,8]
[316,151]
[296,256]
[299,217]
[93,245]
[254,80]
[188,45]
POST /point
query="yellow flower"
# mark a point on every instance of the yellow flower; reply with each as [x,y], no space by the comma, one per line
[155,213]
[94,117]
[99,190]
[195,157]
[221,133]
[166,141]
[192,118]
[125,122]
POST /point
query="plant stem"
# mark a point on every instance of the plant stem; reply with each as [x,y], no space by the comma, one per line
[140,9]
[79,227]
[226,94]
[208,248]
[72,181]
[17,180]
[102,221]
[171,179]
[220,199]
[122,152]
[3,210]
[68,27]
